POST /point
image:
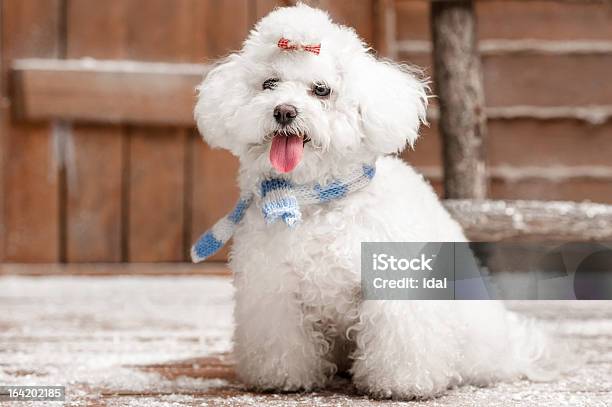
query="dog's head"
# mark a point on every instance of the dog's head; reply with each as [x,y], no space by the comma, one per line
[305,96]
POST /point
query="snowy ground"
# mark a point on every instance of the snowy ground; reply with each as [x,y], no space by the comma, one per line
[162,341]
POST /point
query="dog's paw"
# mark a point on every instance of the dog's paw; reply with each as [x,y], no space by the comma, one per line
[285,376]
[283,383]
[404,391]
[402,382]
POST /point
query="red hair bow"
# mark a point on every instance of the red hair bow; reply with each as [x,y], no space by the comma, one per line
[287,45]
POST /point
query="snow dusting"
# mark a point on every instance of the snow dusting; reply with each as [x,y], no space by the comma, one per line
[166,341]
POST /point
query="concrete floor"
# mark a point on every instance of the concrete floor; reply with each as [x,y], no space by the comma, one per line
[165,341]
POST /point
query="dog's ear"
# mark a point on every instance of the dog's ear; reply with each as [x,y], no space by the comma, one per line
[392,102]
[221,92]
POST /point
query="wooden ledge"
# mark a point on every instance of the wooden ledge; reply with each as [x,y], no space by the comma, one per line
[91,90]
[484,221]
[113,269]
[491,221]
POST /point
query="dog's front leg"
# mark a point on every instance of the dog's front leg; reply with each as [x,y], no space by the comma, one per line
[405,349]
[276,346]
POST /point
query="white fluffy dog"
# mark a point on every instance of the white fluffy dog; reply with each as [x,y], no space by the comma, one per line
[312,109]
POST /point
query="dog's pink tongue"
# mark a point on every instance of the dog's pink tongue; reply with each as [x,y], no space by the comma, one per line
[286,152]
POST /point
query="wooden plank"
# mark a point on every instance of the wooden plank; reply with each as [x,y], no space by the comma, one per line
[359,15]
[576,187]
[4,114]
[94,194]
[486,220]
[160,30]
[20,39]
[412,20]
[114,269]
[95,175]
[552,143]
[215,191]
[260,8]
[4,111]
[31,209]
[214,188]
[96,29]
[550,79]
[540,183]
[458,81]
[544,19]
[507,83]
[129,92]
[106,91]
[224,26]
[156,193]
[385,28]
[30,28]
[515,19]
[523,220]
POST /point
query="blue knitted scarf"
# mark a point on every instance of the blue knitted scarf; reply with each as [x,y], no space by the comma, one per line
[280,199]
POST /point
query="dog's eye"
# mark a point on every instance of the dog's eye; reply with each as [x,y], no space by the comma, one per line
[270,83]
[320,89]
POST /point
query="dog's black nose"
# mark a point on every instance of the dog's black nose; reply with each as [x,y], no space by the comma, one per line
[284,114]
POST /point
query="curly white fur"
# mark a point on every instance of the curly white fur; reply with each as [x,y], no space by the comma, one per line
[299,316]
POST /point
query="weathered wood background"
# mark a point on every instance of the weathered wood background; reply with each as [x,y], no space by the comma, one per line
[140,186]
